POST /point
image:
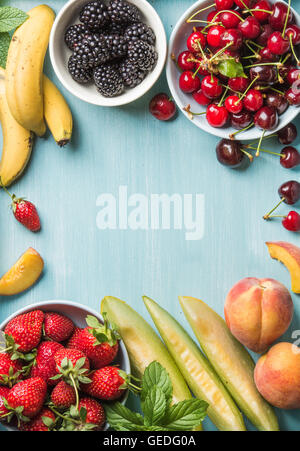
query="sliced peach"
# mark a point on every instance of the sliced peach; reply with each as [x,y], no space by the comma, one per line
[289,255]
[23,274]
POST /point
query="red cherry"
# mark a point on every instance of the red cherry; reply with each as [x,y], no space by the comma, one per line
[293,95]
[266,31]
[223,4]
[188,82]
[289,192]
[287,134]
[261,16]
[266,118]
[241,120]
[243,3]
[216,115]
[250,28]
[200,67]
[233,104]
[292,222]
[229,19]
[253,100]
[214,36]
[278,16]
[211,86]
[183,62]
[162,107]
[232,36]
[201,98]
[291,157]
[266,55]
[211,17]
[294,31]
[194,40]
[239,84]
[277,44]
[293,75]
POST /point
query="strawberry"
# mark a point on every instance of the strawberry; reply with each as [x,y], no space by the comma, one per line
[44,421]
[10,370]
[73,356]
[99,342]
[93,413]
[44,365]
[26,398]
[72,343]
[26,331]
[63,395]
[57,327]
[26,213]
[108,383]
[3,394]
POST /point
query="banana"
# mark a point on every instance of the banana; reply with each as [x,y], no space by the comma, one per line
[17,142]
[57,113]
[24,69]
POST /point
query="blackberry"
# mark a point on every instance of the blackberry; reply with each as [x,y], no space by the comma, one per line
[140,31]
[75,34]
[77,72]
[131,75]
[92,51]
[117,46]
[114,28]
[142,55]
[121,11]
[108,80]
[94,15]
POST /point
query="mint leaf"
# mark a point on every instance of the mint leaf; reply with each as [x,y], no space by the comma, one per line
[154,406]
[11,18]
[155,374]
[4,45]
[230,68]
[119,416]
[185,415]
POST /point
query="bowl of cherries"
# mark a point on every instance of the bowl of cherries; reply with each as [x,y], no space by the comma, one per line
[233,66]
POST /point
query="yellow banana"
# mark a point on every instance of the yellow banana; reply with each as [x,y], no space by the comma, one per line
[24,69]
[57,113]
[17,142]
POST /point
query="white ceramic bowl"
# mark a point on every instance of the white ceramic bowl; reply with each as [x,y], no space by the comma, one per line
[59,54]
[177,44]
[77,312]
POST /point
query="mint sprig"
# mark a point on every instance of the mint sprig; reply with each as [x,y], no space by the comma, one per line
[10,18]
[158,413]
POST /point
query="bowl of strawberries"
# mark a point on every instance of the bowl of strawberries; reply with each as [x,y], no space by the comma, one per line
[61,363]
[233,66]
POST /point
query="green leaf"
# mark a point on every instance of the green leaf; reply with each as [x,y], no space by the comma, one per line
[4,46]
[48,421]
[185,415]
[83,414]
[119,415]
[93,322]
[154,406]
[156,374]
[230,68]
[11,18]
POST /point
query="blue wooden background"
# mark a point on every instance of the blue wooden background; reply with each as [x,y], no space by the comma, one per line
[127,146]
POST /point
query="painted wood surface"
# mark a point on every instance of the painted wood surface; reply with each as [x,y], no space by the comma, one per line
[126,146]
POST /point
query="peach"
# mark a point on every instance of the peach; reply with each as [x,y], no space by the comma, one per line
[289,255]
[23,274]
[258,311]
[277,376]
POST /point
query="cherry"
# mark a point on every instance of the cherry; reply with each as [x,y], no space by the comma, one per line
[216,115]
[214,36]
[278,101]
[278,44]
[233,104]
[293,96]
[266,31]
[162,107]
[266,118]
[241,120]
[266,55]
[211,86]
[194,40]
[265,74]
[243,3]
[253,100]
[239,84]
[188,82]
[287,134]
[250,28]
[229,152]
[223,4]
[229,19]
[262,16]
[232,36]
[200,67]
[278,16]
[183,62]
[292,222]
[211,17]
[201,98]
[291,157]
[294,31]
[293,75]
[289,192]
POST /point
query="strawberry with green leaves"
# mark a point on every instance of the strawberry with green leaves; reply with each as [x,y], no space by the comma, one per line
[10,370]
[44,364]
[108,383]
[63,396]
[57,327]
[88,416]
[23,333]
[44,421]
[4,391]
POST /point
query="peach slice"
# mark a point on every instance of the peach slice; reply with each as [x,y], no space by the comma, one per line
[289,255]
[23,274]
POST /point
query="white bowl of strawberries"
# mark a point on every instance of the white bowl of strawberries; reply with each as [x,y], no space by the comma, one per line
[60,363]
[233,66]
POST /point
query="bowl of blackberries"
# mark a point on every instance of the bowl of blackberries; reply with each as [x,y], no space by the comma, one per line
[233,66]
[108,52]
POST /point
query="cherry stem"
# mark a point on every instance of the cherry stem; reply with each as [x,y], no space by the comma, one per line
[231,12]
[292,48]
[265,150]
[201,49]
[220,51]
[254,43]
[223,96]
[247,8]
[198,12]
[261,88]
[267,216]
[247,154]
[259,143]
[242,130]
[263,64]
[287,18]
[245,92]
[260,10]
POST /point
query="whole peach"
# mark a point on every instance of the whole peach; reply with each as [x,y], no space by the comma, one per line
[258,311]
[277,376]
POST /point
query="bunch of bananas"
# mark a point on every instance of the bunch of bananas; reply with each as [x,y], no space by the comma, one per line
[28,99]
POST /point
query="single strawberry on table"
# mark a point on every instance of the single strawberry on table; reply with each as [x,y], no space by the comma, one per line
[27,397]
[10,370]
[44,421]
[25,330]
[108,383]
[57,327]
[63,395]
[44,364]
